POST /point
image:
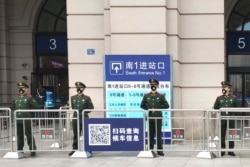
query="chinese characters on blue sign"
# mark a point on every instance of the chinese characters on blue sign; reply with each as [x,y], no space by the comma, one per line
[108,134]
[127,81]
[137,67]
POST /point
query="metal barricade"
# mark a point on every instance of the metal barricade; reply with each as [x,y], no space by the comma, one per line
[47,130]
[66,124]
[188,130]
[5,129]
[213,140]
[237,129]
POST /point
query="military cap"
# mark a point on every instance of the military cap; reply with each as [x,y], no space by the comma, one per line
[80,85]
[22,84]
[153,81]
[225,83]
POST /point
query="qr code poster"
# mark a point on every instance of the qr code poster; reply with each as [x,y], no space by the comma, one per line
[99,134]
[111,134]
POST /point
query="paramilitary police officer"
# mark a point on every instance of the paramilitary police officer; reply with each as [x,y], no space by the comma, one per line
[24,101]
[150,101]
[226,100]
[79,102]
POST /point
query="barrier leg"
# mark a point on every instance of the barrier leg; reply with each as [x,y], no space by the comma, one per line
[16,155]
[146,154]
[81,154]
[206,154]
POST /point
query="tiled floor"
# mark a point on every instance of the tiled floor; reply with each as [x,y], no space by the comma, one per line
[126,159]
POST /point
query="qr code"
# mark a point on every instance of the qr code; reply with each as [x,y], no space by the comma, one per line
[99,134]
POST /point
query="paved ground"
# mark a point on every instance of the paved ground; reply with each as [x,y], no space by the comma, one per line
[125,159]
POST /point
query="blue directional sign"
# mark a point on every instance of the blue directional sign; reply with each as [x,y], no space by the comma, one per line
[126,82]
[137,67]
[90,51]
[116,68]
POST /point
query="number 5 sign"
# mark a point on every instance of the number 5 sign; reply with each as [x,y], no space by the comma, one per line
[238,42]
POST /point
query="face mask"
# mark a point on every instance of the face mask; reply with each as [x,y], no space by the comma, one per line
[21,91]
[153,87]
[78,90]
[224,91]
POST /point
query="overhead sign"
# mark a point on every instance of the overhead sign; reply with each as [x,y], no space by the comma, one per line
[137,67]
[126,82]
[47,44]
[238,42]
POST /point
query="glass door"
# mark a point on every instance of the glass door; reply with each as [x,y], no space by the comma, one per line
[237,88]
[241,88]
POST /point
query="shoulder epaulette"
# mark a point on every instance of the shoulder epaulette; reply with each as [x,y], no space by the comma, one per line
[160,94]
[220,96]
[233,96]
[86,96]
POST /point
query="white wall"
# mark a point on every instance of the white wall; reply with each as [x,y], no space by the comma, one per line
[202,51]
[85,26]
[192,31]
[16,44]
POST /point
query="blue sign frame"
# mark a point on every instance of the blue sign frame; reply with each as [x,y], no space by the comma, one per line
[126,82]
[137,67]
[108,134]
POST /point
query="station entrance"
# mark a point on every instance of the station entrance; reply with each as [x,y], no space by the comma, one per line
[49,80]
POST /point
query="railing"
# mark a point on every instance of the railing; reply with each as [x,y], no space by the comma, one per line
[5,129]
[190,130]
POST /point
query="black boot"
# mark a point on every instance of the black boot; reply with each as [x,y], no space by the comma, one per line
[33,154]
[71,153]
[231,153]
[160,153]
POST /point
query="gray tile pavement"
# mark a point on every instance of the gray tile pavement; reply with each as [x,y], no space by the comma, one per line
[125,159]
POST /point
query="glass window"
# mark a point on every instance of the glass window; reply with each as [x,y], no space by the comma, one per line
[238,52]
[51,67]
[52,20]
[238,60]
[239,19]
[52,17]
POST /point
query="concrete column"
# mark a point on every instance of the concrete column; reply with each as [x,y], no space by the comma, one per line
[4,59]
